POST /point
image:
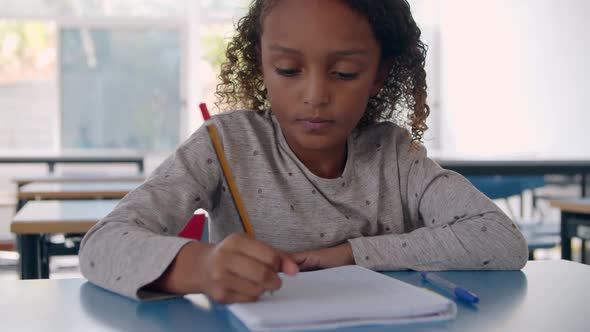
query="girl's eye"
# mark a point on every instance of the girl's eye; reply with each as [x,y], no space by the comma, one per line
[287,71]
[346,76]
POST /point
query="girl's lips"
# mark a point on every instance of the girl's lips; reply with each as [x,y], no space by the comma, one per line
[313,124]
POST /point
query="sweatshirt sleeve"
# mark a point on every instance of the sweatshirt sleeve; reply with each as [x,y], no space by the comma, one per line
[452,226]
[134,244]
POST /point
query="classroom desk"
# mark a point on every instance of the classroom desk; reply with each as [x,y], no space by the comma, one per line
[40,218]
[545,296]
[77,177]
[74,190]
[72,156]
[575,222]
[517,166]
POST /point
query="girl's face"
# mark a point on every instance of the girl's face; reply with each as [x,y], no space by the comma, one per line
[320,65]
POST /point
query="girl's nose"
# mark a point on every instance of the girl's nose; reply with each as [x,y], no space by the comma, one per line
[316,91]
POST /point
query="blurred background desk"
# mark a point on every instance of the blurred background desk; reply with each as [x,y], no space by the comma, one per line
[518,166]
[77,177]
[80,205]
[74,190]
[575,222]
[38,219]
[73,157]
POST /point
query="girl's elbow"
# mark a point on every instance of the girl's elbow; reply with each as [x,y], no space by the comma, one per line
[522,256]
[517,255]
[516,250]
[521,262]
[508,252]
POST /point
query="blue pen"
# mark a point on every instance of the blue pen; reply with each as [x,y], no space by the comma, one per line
[460,293]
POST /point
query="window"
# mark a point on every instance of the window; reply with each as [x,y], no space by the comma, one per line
[120,88]
[92,74]
[28,85]
[125,73]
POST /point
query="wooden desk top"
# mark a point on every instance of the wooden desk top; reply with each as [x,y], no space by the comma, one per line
[71,155]
[53,217]
[581,205]
[78,177]
[76,190]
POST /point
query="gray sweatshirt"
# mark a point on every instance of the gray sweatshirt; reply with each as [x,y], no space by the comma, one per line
[398,209]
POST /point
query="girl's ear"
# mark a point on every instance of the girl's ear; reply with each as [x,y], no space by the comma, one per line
[382,76]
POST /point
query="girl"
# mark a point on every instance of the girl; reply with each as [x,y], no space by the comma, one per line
[327,171]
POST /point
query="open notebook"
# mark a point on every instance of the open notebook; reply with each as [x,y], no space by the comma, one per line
[342,296]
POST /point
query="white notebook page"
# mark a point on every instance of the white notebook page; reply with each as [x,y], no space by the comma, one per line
[343,296]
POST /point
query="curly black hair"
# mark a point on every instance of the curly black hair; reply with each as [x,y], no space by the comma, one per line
[401,99]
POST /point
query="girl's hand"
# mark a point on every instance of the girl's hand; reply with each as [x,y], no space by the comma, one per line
[241,269]
[324,258]
[238,269]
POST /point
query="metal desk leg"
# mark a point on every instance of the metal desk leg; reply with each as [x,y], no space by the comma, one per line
[566,241]
[584,183]
[44,257]
[20,203]
[29,250]
[531,254]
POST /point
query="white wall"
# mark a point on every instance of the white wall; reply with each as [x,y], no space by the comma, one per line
[515,77]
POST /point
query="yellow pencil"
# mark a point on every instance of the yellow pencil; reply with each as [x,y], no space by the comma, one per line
[233,189]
